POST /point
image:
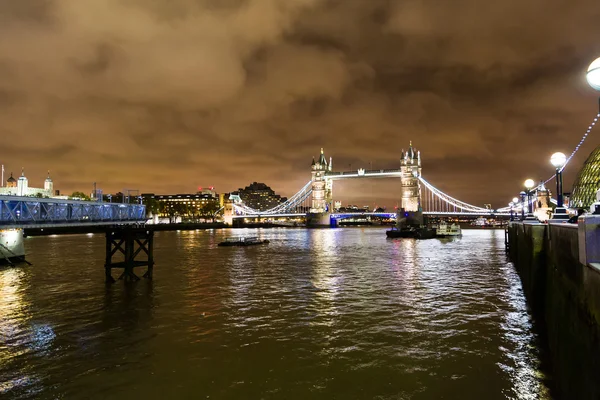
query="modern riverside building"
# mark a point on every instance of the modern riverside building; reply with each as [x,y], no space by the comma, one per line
[184,205]
[259,196]
[587,182]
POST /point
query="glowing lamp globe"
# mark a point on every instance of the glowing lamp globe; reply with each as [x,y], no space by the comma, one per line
[558,160]
[593,74]
[515,200]
[529,183]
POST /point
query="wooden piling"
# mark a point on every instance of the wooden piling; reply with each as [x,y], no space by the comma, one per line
[135,245]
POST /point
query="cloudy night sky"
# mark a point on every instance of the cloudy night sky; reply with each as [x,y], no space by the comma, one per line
[168,95]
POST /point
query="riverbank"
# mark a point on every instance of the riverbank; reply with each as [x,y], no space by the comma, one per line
[564,297]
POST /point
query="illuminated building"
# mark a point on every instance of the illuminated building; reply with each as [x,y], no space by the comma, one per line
[410,165]
[259,196]
[321,187]
[587,182]
[191,205]
[20,187]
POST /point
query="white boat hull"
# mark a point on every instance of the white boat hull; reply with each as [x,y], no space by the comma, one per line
[12,248]
[445,230]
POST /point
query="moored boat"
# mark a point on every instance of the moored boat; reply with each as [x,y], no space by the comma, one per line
[411,232]
[243,241]
[426,233]
[403,232]
[446,230]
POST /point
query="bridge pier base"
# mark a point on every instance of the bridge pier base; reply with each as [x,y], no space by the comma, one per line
[318,220]
[136,246]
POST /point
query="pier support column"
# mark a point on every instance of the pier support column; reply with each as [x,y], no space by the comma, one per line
[314,220]
[135,245]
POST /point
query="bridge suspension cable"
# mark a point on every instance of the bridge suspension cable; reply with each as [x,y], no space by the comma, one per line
[449,200]
[286,207]
[434,199]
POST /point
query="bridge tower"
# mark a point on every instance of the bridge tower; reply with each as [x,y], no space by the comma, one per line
[410,167]
[322,188]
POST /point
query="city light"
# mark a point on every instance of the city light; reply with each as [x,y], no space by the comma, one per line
[593,74]
[529,183]
[558,160]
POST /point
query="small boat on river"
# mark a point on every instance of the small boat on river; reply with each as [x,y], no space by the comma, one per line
[445,230]
[243,241]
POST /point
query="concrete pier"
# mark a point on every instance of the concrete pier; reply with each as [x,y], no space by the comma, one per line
[318,220]
[563,291]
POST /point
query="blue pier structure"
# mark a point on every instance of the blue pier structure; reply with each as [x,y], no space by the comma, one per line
[18,212]
[128,245]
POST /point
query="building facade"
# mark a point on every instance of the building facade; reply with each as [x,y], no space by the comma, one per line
[410,167]
[587,182]
[20,187]
[322,188]
[259,196]
[178,207]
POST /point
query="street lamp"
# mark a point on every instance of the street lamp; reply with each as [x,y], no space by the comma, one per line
[558,161]
[593,74]
[529,184]
[593,77]
[522,194]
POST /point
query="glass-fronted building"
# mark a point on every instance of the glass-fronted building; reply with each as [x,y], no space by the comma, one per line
[587,182]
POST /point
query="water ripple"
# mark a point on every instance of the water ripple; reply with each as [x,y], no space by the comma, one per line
[332,314]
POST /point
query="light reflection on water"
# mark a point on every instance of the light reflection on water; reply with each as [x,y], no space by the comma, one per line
[332,313]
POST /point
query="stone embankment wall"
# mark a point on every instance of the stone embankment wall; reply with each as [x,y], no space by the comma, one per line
[564,296]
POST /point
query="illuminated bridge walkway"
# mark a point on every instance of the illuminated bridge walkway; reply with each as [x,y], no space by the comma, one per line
[31,212]
[345,215]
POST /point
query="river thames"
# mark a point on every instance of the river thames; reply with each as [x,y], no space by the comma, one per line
[315,314]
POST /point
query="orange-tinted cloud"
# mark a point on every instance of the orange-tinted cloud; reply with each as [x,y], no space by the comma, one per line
[169,95]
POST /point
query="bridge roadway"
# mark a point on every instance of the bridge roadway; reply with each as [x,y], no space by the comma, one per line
[18,212]
[385,215]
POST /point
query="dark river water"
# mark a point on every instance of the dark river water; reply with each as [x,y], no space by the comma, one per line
[315,314]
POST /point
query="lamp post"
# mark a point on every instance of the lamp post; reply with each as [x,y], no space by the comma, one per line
[515,203]
[529,184]
[558,161]
[522,194]
[511,205]
[593,74]
[593,78]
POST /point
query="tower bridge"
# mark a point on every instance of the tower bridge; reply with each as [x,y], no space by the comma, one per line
[315,199]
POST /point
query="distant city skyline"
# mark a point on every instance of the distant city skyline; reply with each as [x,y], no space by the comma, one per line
[164,96]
